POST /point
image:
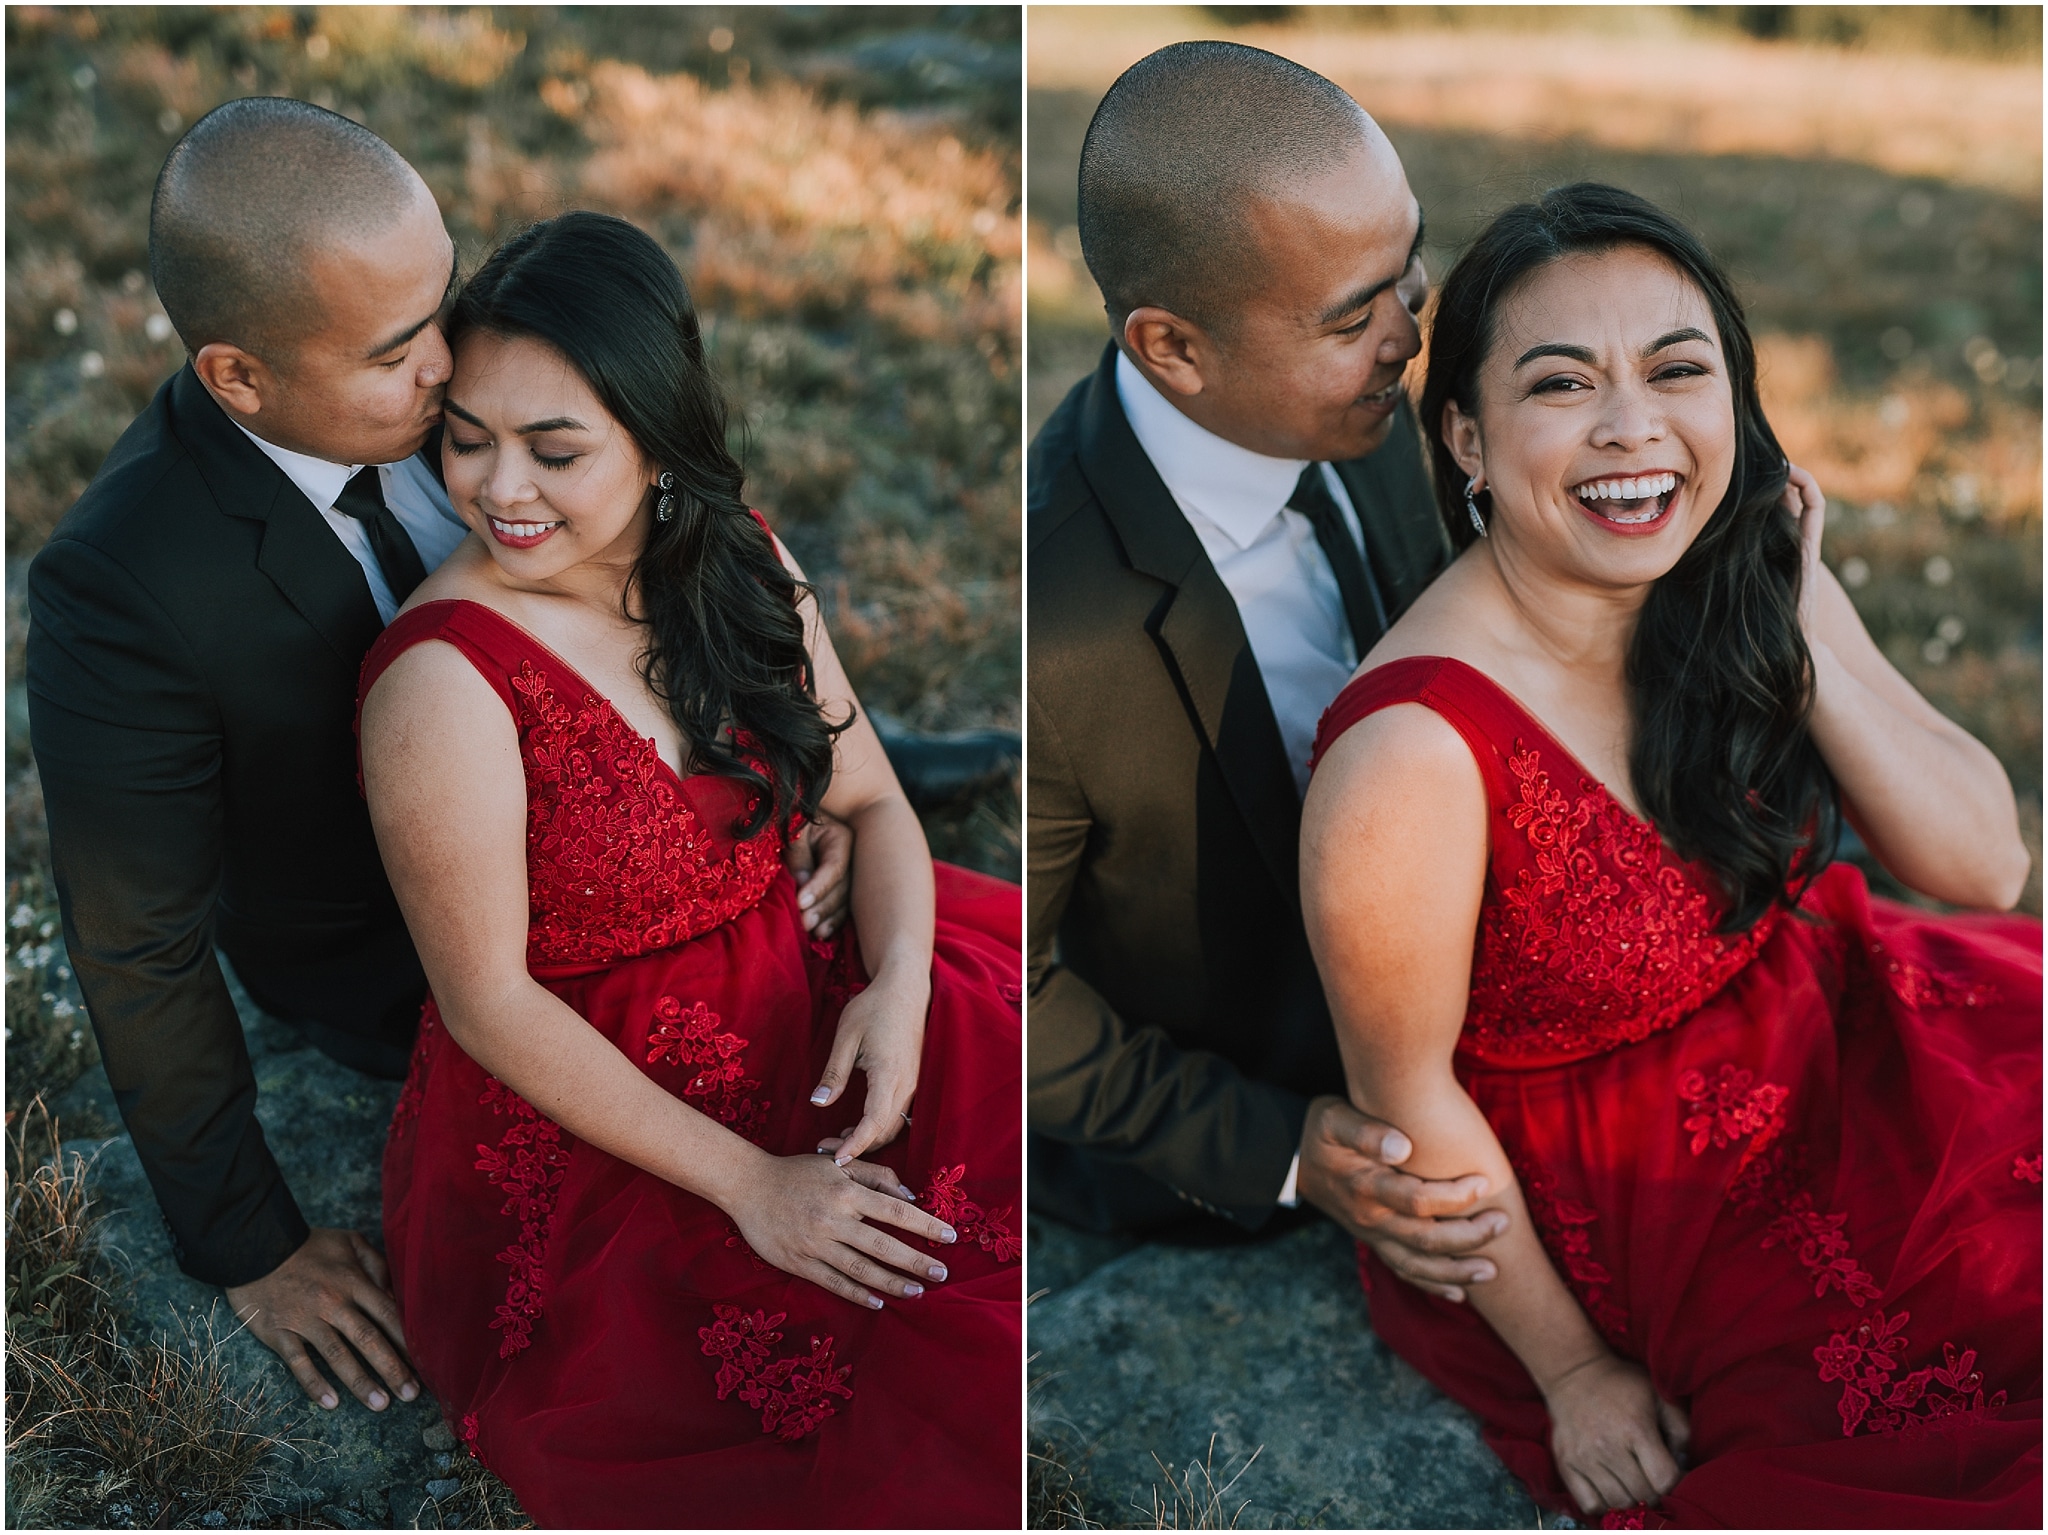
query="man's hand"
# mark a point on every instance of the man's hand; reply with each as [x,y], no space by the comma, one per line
[821,861]
[330,1294]
[1419,1230]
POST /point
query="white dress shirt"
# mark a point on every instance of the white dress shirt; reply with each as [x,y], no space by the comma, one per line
[415,497]
[1266,552]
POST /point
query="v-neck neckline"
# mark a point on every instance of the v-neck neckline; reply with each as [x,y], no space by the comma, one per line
[680,780]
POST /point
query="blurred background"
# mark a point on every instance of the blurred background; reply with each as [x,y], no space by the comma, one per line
[1870,175]
[841,187]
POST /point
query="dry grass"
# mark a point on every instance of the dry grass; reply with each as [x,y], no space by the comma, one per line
[103,1428]
[1192,1499]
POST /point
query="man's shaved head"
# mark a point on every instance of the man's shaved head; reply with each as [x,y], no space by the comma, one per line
[1182,142]
[253,188]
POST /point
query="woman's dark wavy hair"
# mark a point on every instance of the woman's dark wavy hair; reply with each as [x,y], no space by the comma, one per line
[725,644]
[1719,675]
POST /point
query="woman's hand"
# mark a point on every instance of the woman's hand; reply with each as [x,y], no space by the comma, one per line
[881,1034]
[811,1217]
[1808,507]
[1615,1442]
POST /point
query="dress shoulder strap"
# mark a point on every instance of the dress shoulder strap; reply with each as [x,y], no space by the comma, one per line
[494,644]
[1472,703]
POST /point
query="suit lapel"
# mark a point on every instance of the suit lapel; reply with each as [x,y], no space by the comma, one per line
[1197,628]
[299,552]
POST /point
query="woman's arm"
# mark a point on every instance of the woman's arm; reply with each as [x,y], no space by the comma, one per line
[1928,798]
[881,1032]
[448,801]
[1394,855]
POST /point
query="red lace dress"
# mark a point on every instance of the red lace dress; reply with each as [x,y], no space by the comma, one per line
[608,1343]
[1794,1172]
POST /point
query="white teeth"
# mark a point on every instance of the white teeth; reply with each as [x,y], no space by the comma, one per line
[522,529]
[1628,488]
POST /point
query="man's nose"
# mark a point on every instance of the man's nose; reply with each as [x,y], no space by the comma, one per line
[1404,340]
[437,361]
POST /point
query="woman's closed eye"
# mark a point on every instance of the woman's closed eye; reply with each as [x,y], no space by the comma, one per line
[463,449]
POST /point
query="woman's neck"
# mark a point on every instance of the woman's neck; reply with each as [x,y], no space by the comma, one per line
[1581,628]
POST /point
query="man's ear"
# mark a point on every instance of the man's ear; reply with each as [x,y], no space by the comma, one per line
[1174,352]
[1461,436]
[238,379]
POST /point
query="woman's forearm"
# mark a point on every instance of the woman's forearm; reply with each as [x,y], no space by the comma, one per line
[893,901]
[1933,803]
[1527,1303]
[542,1049]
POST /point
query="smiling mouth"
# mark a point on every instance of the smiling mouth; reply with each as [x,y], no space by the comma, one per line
[520,535]
[1380,399]
[1629,500]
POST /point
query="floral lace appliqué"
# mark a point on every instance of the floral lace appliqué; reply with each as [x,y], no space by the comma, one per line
[527,1163]
[793,1394]
[688,1037]
[618,864]
[414,1093]
[1565,1227]
[1868,1357]
[989,1229]
[1601,938]
[2028,1169]
[1922,989]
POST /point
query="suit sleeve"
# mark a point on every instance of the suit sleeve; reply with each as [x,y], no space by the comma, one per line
[126,736]
[1188,1119]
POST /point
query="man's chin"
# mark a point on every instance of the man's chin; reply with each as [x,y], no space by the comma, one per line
[1358,439]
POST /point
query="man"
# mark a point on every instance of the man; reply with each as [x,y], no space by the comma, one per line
[1222,520]
[198,623]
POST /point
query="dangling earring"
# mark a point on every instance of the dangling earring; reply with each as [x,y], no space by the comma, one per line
[1472,507]
[665,508]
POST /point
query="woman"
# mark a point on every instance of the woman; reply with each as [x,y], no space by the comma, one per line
[624,1267]
[1770,1149]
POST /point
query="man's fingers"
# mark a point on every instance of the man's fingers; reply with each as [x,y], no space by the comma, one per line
[342,1360]
[367,1333]
[1427,1269]
[1427,1199]
[305,1372]
[372,1261]
[1451,1239]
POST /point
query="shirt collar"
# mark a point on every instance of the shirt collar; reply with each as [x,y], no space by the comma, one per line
[1240,491]
[320,481]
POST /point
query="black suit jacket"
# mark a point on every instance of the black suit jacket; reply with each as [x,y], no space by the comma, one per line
[195,636]
[1178,1026]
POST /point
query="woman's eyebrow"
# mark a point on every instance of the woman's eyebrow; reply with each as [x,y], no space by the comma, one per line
[1585,354]
[552,424]
[1676,336]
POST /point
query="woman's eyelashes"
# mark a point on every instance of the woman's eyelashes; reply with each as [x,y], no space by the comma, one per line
[1567,383]
[463,449]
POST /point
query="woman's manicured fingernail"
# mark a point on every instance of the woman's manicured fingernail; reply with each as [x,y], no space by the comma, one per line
[949,1235]
[913,1289]
[875,1302]
[821,1096]
[905,1192]
[841,1161]
[379,1401]
[937,1271]
[408,1391]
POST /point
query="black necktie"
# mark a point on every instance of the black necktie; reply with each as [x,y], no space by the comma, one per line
[396,556]
[1362,608]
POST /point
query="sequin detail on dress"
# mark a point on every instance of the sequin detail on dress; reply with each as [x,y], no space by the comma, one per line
[1602,939]
[618,864]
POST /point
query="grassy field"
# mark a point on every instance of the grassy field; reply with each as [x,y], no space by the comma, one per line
[1890,259]
[840,185]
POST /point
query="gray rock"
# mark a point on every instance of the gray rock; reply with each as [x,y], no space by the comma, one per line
[443,1487]
[325,1124]
[1263,1349]
[345,1518]
[438,1436]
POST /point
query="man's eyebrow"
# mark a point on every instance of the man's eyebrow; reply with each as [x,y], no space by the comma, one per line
[1364,296]
[399,340]
[552,424]
[1585,355]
